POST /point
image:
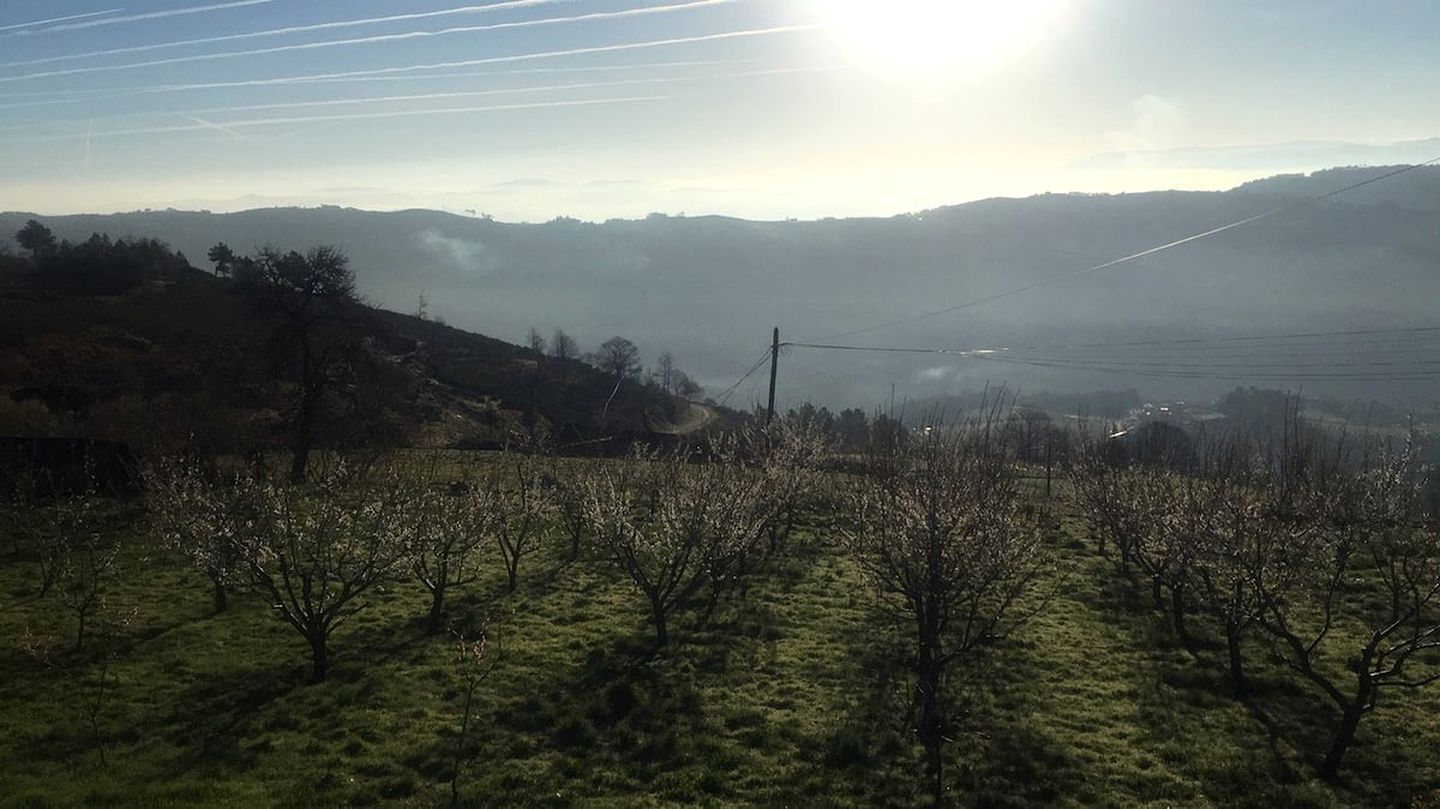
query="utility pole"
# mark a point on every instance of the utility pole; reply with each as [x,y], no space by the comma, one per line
[1049,455]
[774,366]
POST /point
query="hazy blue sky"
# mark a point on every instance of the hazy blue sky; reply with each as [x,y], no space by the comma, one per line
[761,108]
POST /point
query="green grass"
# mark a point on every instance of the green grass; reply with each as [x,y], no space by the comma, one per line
[793,696]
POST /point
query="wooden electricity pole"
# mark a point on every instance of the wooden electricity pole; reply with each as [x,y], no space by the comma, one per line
[774,366]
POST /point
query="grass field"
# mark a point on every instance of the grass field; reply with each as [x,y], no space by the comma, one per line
[794,695]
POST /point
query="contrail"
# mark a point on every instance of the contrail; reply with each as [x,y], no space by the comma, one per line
[293,29]
[337,102]
[530,71]
[522,57]
[35,23]
[340,102]
[212,125]
[90,95]
[304,46]
[150,15]
[362,116]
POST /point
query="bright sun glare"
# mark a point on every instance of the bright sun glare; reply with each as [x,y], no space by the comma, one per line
[937,38]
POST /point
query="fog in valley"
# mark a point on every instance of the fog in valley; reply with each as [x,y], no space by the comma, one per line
[708,289]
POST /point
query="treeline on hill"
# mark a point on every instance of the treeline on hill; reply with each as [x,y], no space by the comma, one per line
[122,340]
[97,265]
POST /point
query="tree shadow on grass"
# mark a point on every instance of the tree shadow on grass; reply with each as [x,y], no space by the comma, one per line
[623,713]
[211,721]
[1296,721]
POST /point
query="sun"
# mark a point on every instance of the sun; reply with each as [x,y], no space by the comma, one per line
[937,38]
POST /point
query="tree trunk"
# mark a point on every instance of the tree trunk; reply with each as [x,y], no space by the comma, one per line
[437,606]
[931,728]
[305,421]
[319,658]
[300,461]
[1156,593]
[512,573]
[937,779]
[1177,614]
[80,631]
[1237,660]
[222,601]
[662,634]
[1344,735]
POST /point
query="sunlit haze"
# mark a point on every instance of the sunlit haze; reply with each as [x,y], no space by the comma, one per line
[608,108]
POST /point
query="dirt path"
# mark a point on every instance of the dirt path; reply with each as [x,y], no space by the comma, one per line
[697,417]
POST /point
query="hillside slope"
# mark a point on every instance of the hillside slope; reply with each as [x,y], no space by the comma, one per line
[188,357]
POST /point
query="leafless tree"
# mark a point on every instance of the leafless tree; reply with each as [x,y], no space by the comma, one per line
[203,521]
[20,512]
[668,522]
[52,548]
[40,527]
[618,357]
[312,299]
[90,681]
[1119,501]
[1238,547]
[569,500]
[512,488]
[88,565]
[475,662]
[536,341]
[794,451]
[443,531]
[316,550]
[686,387]
[563,346]
[664,374]
[1369,534]
[938,529]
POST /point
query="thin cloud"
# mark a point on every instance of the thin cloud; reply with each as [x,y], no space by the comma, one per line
[35,23]
[535,71]
[150,15]
[451,95]
[370,40]
[212,125]
[293,29]
[522,57]
[335,102]
[363,116]
[82,96]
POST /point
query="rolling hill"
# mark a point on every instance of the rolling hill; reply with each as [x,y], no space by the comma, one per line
[709,288]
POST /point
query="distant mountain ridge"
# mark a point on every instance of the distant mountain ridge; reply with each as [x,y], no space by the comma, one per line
[1416,190]
[708,289]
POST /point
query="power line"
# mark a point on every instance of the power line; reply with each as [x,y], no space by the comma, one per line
[1356,376]
[1133,256]
[1413,332]
[1188,343]
[725,395]
[1233,368]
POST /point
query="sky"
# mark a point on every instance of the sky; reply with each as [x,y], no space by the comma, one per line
[526,110]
